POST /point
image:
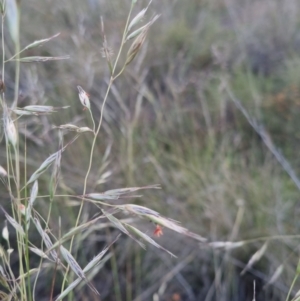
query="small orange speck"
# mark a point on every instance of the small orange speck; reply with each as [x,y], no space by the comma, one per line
[176,297]
[22,209]
[158,231]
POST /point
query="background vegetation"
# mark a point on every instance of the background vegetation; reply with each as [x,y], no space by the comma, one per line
[174,118]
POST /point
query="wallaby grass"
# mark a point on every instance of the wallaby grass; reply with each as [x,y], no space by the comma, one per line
[176,127]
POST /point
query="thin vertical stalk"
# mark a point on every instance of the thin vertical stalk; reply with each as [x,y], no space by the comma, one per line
[3,56]
[17,64]
[111,81]
[27,262]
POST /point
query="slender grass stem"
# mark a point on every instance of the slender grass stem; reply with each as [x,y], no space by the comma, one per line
[3,58]
[112,79]
[17,65]
[291,287]
[27,259]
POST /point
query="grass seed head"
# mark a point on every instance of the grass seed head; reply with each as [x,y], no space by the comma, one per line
[10,131]
[5,233]
[3,172]
[84,98]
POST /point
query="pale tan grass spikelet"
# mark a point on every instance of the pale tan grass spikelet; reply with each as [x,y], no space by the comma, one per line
[46,164]
[2,253]
[13,222]
[255,257]
[297,296]
[30,272]
[71,127]
[227,245]
[91,265]
[84,98]
[121,227]
[115,194]
[106,51]
[275,276]
[39,253]
[148,239]
[46,239]
[31,59]
[41,42]
[141,34]
[139,30]
[159,220]
[3,172]
[10,131]
[138,17]
[33,196]
[5,233]
[75,267]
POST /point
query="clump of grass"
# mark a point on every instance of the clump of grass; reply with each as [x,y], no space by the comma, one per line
[57,260]
[217,183]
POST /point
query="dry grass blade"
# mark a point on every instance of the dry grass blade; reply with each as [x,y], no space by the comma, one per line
[46,164]
[173,225]
[97,268]
[145,27]
[33,195]
[46,239]
[75,267]
[138,210]
[227,245]
[39,253]
[148,239]
[115,194]
[71,127]
[297,296]
[2,270]
[91,265]
[159,220]
[43,109]
[5,233]
[13,222]
[121,191]
[275,276]
[13,18]
[121,227]
[55,174]
[95,261]
[101,196]
[74,231]
[84,98]
[260,130]
[9,128]
[34,59]
[138,17]
[22,112]
[3,172]
[40,42]
[139,41]
[255,257]
[30,272]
